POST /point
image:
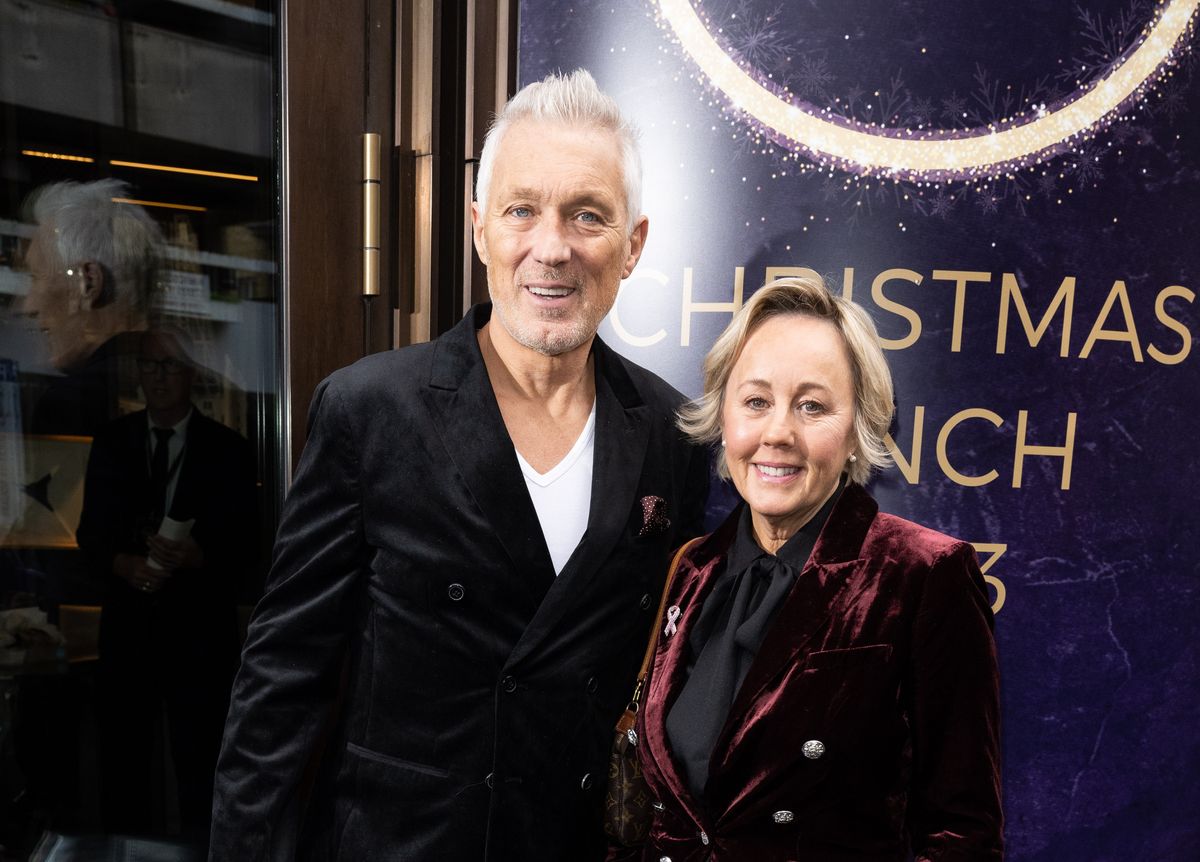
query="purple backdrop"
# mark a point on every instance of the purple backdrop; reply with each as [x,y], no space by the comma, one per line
[1094,573]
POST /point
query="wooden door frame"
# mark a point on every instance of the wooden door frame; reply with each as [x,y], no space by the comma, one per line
[345,72]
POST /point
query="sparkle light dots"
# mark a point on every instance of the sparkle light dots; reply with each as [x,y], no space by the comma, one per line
[930,154]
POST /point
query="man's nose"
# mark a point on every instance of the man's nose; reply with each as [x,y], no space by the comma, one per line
[31,305]
[551,247]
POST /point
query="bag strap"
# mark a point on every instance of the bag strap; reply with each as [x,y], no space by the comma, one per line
[662,604]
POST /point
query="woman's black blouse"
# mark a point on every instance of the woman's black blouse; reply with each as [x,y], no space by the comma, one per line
[736,616]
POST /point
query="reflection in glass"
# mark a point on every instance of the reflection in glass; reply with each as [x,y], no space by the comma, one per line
[138,406]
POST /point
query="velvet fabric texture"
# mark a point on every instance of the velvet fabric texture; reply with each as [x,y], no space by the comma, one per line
[738,612]
[480,691]
[868,725]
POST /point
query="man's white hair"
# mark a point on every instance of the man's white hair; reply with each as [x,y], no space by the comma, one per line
[572,100]
[87,224]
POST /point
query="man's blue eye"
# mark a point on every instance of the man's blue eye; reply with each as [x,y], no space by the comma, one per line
[521,212]
[589,217]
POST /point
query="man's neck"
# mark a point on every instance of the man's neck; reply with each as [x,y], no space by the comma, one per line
[517,371]
[169,418]
[544,400]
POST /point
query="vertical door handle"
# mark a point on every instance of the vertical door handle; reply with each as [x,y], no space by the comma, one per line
[371,196]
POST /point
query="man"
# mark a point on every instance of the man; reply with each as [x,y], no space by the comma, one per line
[168,629]
[475,543]
[92,265]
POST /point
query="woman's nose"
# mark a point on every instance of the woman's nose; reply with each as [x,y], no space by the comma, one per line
[780,430]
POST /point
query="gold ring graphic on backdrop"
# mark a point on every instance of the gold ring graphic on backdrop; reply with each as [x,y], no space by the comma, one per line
[928,154]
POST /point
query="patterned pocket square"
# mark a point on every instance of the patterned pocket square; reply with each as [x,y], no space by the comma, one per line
[654,516]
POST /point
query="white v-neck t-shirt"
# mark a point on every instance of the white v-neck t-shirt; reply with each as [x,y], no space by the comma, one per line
[562,497]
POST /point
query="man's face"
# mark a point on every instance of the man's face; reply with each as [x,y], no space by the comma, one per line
[554,237]
[165,373]
[55,300]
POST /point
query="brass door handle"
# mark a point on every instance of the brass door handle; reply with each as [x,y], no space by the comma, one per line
[371,196]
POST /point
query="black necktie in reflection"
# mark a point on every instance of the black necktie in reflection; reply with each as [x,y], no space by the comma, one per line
[159,465]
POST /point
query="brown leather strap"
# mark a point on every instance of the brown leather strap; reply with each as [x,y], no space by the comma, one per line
[662,603]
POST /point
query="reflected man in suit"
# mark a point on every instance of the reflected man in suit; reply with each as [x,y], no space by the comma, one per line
[474,544]
[93,265]
[168,629]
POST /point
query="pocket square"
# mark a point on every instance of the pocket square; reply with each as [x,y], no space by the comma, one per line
[654,516]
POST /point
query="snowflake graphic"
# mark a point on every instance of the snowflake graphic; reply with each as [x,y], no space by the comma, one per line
[757,37]
[814,77]
[1122,132]
[942,205]
[831,189]
[1087,164]
[1105,39]
[920,111]
[987,201]
[1171,104]
[954,108]
[1047,184]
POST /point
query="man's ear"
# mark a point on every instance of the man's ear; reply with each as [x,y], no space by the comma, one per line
[94,288]
[637,242]
[477,233]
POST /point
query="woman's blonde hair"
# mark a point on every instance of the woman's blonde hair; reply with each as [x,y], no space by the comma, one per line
[809,297]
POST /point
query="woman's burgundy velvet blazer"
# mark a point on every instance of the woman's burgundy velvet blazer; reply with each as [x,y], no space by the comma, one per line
[868,725]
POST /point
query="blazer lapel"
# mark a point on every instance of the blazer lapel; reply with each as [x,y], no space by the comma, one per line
[460,399]
[622,433]
[805,614]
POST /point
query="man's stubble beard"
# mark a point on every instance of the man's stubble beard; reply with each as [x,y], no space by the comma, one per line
[560,339]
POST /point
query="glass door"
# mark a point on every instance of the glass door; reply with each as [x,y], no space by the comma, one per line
[139,402]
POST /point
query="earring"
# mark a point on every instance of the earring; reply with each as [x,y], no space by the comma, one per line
[722,442]
[853,457]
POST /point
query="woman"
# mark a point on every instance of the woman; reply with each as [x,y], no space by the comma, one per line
[824,685]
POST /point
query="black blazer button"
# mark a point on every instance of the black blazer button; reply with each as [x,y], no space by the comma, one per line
[592,685]
[456,592]
[644,604]
[508,684]
[586,783]
[490,781]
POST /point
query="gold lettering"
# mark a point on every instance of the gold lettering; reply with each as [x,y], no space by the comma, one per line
[1185,337]
[614,316]
[910,469]
[914,320]
[961,279]
[944,435]
[1065,451]
[1129,333]
[995,552]
[848,283]
[1010,292]
[774,272]
[685,330]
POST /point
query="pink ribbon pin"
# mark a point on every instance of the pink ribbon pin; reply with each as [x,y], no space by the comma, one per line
[673,614]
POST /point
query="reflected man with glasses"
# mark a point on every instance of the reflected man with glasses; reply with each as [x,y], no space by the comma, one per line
[168,633]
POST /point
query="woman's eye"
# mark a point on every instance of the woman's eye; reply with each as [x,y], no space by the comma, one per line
[811,407]
[757,403]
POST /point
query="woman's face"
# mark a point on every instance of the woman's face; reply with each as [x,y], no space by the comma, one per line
[788,422]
